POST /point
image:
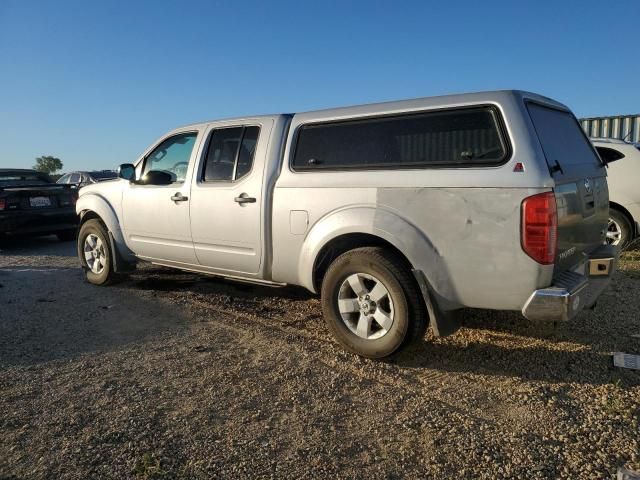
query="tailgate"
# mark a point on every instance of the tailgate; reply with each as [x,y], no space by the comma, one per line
[580,188]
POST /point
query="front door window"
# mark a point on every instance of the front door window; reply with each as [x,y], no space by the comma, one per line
[172,156]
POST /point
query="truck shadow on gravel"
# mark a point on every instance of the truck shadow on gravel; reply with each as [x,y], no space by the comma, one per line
[507,344]
[49,313]
[154,278]
[37,246]
[65,317]
[538,363]
[490,343]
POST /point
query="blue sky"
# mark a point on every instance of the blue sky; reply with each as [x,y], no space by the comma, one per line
[95,83]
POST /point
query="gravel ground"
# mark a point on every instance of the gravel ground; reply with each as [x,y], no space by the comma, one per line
[174,375]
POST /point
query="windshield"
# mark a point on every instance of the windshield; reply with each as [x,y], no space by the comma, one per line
[12,178]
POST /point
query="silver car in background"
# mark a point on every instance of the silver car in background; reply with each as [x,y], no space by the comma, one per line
[81,179]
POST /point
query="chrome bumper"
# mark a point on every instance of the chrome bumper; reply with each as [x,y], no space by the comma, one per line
[573,291]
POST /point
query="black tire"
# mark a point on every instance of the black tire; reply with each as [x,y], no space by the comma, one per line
[624,225]
[410,316]
[106,275]
[66,235]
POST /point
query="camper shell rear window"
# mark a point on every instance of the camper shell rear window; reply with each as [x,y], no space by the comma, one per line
[460,137]
[564,143]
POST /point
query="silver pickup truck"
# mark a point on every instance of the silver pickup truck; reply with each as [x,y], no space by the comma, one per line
[399,214]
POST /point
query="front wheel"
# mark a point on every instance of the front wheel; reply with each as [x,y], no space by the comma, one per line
[95,253]
[371,302]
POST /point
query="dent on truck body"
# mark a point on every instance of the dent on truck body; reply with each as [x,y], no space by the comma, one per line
[474,233]
[465,240]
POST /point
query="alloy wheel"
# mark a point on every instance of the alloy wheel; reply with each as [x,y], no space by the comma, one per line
[614,232]
[94,253]
[365,306]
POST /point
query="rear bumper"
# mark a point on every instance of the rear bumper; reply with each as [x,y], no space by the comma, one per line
[38,222]
[575,290]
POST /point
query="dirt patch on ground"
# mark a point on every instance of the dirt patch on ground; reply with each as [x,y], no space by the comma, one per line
[175,375]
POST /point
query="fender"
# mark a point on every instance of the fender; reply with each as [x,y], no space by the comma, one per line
[385,224]
[96,203]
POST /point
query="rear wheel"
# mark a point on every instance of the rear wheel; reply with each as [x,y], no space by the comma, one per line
[94,251]
[371,303]
[619,230]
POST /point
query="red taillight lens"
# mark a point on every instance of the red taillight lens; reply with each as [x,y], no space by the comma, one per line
[540,227]
[3,204]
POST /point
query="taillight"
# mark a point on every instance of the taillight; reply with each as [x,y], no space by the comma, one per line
[3,203]
[540,227]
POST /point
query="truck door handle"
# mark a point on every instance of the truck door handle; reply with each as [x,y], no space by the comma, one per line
[178,197]
[244,198]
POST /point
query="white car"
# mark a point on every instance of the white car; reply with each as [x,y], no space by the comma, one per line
[623,159]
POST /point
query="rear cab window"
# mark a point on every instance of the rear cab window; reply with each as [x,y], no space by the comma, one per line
[230,153]
[566,148]
[461,137]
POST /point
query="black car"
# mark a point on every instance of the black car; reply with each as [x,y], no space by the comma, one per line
[32,204]
[80,179]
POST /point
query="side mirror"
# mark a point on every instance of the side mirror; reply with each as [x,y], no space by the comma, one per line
[127,171]
[156,177]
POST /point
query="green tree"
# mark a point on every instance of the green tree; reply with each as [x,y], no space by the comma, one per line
[48,164]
